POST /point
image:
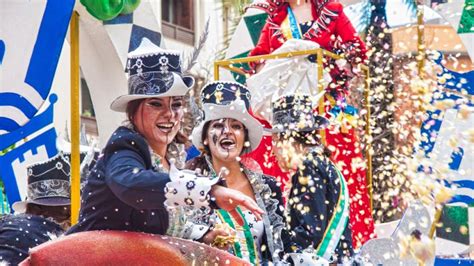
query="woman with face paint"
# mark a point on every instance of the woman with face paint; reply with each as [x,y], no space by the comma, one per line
[318,204]
[227,132]
[136,172]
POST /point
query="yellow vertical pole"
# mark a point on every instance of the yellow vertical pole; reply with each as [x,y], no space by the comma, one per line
[75,119]
[321,111]
[319,55]
[368,134]
[437,217]
[216,71]
[421,37]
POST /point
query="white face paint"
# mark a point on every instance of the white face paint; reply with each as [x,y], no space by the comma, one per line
[225,138]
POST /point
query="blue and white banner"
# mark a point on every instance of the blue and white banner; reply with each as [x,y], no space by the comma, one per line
[31,39]
[447,134]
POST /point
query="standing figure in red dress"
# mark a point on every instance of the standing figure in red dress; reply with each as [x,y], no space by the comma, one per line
[324,22]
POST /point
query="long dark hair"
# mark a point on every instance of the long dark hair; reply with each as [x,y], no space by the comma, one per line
[200,162]
[59,213]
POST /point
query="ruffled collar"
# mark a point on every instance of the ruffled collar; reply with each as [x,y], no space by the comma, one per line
[272,221]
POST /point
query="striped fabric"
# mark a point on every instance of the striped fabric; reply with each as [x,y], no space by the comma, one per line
[4,206]
[337,224]
[245,247]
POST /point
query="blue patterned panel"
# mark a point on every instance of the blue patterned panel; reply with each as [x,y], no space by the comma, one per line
[40,71]
[455,86]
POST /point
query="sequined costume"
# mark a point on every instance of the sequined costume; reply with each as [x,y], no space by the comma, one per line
[259,242]
[126,191]
[19,233]
[318,208]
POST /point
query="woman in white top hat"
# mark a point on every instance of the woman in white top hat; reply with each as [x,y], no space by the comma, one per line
[227,132]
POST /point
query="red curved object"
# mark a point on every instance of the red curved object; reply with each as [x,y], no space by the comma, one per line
[120,248]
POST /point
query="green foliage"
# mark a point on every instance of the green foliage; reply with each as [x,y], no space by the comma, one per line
[237,4]
[364,16]
[232,11]
[411,4]
[365,12]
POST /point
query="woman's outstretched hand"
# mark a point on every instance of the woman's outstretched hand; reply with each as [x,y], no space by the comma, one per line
[228,199]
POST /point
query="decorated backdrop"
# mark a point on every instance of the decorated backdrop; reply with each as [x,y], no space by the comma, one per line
[28,61]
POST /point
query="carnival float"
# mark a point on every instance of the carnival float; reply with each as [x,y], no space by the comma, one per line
[64,43]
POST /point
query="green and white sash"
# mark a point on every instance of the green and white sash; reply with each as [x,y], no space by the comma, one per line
[244,248]
[338,222]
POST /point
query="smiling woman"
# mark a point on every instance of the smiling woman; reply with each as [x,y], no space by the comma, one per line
[226,138]
[135,185]
[227,132]
[159,121]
